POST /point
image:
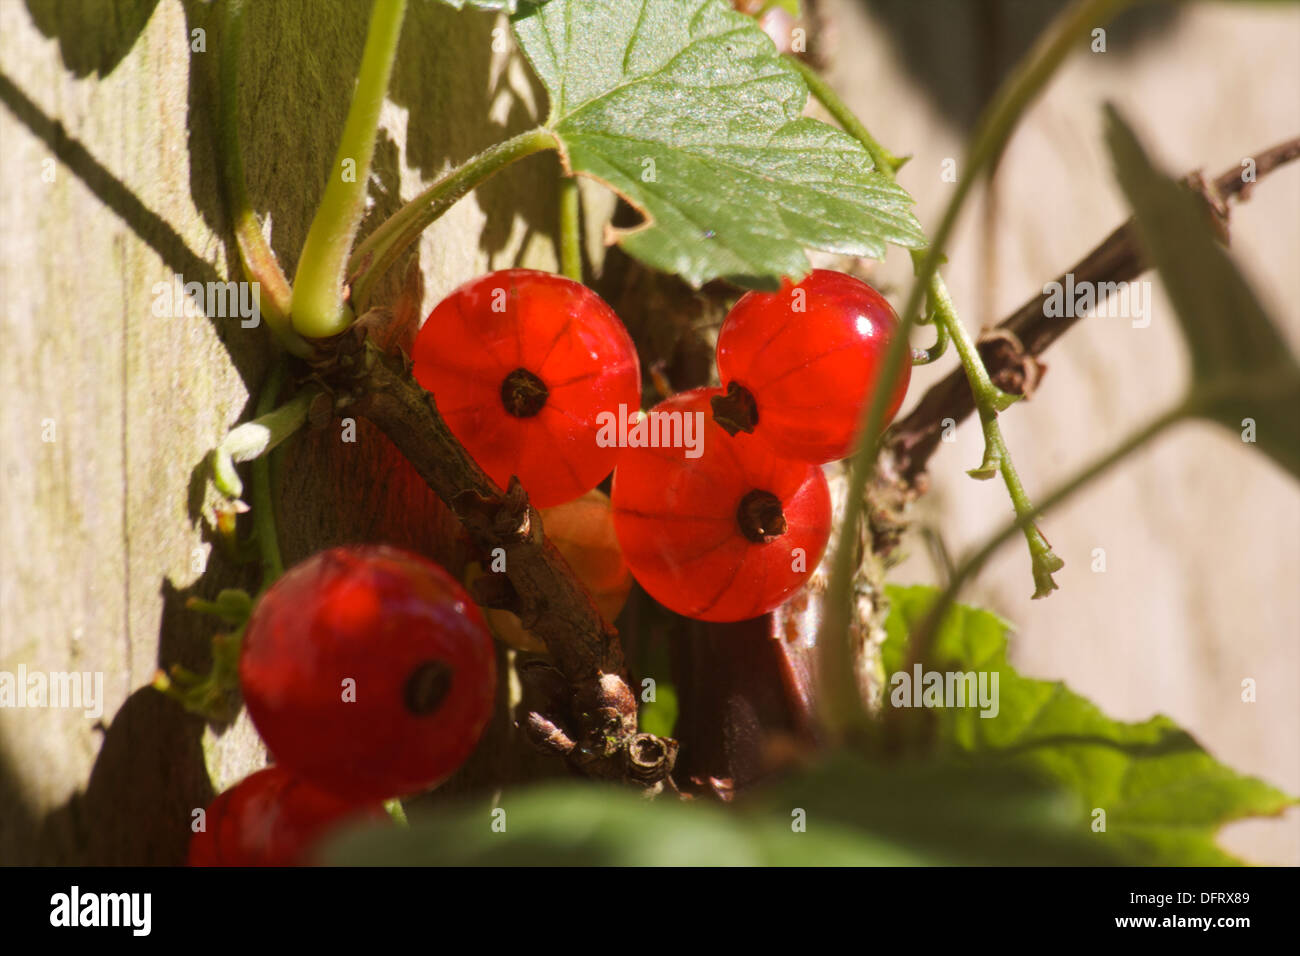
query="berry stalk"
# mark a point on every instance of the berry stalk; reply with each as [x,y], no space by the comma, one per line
[253,439]
[989,400]
[935,351]
[1043,561]
[268,538]
[319,308]
[570,228]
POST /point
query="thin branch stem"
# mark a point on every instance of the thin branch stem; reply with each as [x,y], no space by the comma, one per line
[1043,563]
[382,248]
[935,351]
[264,525]
[396,812]
[989,400]
[253,439]
[987,395]
[214,695]
[570,228]
[1117,259]
[255,255]
[319,308]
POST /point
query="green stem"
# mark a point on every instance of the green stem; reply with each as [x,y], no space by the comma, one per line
[570,228]
[935,351]
[386,244]
[255,255]
[841,704]
[318,306]
[987,395]
[232,605]
[253,439]
[989,400]
[268,541]
[215,695]
[840,701]
[396,812]
[1043,562]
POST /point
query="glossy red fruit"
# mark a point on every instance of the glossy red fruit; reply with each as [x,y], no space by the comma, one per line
[521,363]
[725,536]
[271,818]
[808,356]
[368,671]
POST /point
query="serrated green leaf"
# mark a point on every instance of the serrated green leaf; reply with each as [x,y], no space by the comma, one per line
[850,813]
[1241,366]
[686,109]
[1164,796]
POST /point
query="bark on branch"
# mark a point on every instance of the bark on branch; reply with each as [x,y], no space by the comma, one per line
[586,712]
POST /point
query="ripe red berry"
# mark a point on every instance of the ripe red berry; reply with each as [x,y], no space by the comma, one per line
[368,671]
[271,818]
[521,363]
[725,536]
[800,364]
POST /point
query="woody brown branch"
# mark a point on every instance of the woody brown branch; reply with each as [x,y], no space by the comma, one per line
[539,585]
[1009,350]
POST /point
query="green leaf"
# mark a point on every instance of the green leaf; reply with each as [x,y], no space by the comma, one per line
[565,825]
[1164,796]
[953,812]
[1241,366]
[685,108]
[849,813]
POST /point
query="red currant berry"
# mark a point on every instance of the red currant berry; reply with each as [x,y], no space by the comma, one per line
[368,671]
[725,536]
[271,819]
[521,363]
[800,364]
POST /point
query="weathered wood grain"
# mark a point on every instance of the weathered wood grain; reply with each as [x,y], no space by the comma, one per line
[102,528]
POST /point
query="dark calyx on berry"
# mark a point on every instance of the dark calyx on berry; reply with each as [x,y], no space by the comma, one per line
[523,393]
[427,687]
[736,411]
[760,517]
